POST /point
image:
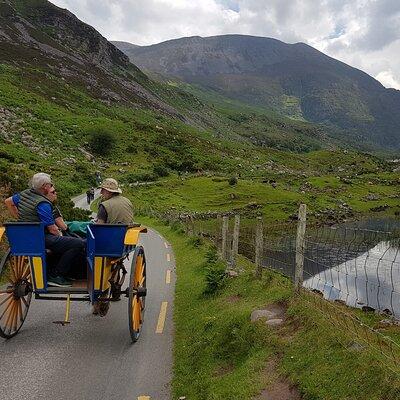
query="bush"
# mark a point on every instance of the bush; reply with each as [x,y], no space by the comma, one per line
[160,171]
[196,241]
[133,177]
[215,272]
[233,180]
[215,278]
[101,141]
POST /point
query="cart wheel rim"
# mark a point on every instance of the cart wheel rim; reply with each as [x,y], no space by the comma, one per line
[136,303]
[15,296]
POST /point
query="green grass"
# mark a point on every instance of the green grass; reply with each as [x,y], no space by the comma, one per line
[219,354]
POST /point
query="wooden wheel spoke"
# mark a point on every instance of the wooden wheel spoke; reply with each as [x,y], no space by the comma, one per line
[136,314]
[21,260]
[6,309]
[25,302]
[5,300]
[20,314]
[10,317]
[16,314]
[26,272]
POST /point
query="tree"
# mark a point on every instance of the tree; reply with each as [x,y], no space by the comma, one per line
[101,141]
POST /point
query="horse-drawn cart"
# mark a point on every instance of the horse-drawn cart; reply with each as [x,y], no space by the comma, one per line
[24,269]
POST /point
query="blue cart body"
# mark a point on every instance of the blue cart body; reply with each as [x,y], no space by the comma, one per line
[105,244]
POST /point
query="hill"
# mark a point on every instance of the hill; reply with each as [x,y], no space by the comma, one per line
[294,79]
[36,33]
[63,88]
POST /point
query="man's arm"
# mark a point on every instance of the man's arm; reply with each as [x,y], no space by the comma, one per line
[61,223]
[101,215]
[45,213]
[11,207]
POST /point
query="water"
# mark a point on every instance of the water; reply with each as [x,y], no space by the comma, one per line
[357,263]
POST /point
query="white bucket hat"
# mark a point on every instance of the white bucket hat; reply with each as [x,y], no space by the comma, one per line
[111,185]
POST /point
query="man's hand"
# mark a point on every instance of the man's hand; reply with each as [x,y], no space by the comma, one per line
[53,229]
[11,207]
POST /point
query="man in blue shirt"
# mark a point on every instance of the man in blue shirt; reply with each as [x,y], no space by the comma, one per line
[32,205]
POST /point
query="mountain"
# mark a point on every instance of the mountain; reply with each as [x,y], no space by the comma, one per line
[38,34]
[294,79]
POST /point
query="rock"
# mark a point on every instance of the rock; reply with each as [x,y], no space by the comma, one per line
[262,314]
[274,322]
[371,197]
[380,208]
[356,346]
[88,156]
[232,273]
[367,309]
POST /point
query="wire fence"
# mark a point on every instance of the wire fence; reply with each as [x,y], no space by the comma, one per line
[344,265]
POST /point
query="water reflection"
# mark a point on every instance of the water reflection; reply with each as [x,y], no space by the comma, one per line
[372,279]
[357,263]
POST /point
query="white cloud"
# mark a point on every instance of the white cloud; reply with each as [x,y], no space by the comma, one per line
[387,79]
[362,33]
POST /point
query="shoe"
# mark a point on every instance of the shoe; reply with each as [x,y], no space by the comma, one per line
[59,281]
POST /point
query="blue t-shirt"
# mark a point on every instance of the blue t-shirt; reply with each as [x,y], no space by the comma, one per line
[44,210]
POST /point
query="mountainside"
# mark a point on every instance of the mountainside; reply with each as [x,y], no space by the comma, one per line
[37,34]
[294,79]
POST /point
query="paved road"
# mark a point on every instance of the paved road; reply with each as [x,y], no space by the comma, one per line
[93,358]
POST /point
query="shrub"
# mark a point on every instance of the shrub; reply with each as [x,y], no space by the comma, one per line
[101,141]
[215,277]
[132,149]
[196,241]
[160,171]
[233,180]
[215,272]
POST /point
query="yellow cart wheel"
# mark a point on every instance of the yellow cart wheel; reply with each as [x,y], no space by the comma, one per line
[15,294]
[137,293]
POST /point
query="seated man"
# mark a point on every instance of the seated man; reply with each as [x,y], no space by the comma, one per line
[32,205]
[114,208]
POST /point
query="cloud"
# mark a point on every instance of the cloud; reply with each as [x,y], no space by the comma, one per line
[387,79]
[361,33]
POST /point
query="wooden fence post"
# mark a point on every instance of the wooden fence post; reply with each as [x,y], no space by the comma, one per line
[259,247]
[225,224]
[235,242]
[300,247]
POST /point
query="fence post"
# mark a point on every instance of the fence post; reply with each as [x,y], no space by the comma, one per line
[225,222]
[300,247]
[259,247]
[235,242]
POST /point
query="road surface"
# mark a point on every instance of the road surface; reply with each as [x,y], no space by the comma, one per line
[93,357]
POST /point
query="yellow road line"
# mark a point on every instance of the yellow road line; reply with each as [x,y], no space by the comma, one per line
[168,277]
[168,257]
[161,317]
[143,398]
[166,245]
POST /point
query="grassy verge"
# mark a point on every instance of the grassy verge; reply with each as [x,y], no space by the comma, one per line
[220,354]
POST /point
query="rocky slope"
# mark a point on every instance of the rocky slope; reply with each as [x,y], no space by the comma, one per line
[36,34]
[294,79]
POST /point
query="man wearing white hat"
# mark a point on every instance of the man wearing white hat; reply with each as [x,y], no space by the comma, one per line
[114,208]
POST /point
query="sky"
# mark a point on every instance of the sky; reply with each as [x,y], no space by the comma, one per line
[362,33]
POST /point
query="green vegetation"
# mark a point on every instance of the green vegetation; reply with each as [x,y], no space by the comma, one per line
[187,169]
[101,141]
[220,354]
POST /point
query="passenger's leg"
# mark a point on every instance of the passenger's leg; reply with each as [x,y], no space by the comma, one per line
[71,251]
